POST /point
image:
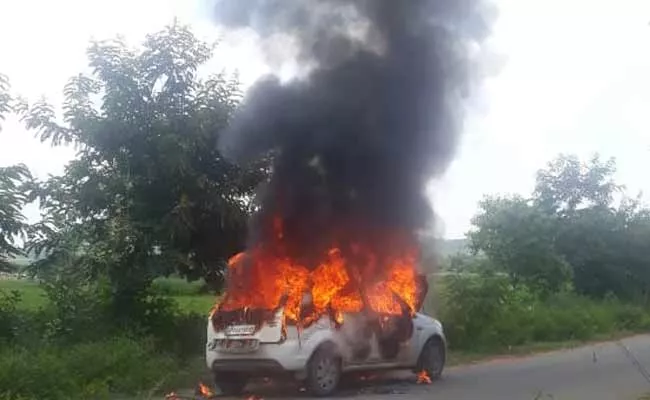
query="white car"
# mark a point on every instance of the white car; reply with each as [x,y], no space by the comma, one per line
[320,353]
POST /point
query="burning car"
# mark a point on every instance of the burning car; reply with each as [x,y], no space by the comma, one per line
[315,323]
[320,353]
[330,279]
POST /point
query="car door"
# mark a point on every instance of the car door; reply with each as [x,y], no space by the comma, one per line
[413,351]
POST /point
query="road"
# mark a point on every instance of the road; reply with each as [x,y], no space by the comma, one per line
[604,371]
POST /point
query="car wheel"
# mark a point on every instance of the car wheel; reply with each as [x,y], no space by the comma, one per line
[323,372]
[230,383]
[432,358]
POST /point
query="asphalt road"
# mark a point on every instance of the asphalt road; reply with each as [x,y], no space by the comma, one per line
[604,371]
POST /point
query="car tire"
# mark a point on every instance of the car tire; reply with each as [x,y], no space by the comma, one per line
[323,372]
[230,383]
[432,358]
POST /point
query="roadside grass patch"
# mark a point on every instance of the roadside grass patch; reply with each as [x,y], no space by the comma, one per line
[489,314]
[97,370]
[188,296]
[32,296]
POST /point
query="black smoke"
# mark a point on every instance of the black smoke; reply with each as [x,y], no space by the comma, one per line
[374,115]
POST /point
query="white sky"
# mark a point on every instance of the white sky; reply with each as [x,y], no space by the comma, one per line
[576,80]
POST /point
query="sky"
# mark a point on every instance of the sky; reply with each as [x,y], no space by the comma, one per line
[574,78]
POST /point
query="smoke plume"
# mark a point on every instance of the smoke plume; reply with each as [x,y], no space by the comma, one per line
[374,114]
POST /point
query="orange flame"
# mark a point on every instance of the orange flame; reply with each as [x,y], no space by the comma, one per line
[423,378]
[379,275]
[205,391]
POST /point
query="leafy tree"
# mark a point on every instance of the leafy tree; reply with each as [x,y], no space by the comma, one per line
[13,197]
[520,239]
[149,193]
[570,227]
[13,193]
[607,248]
[567,185]
[5,98]
[605,244]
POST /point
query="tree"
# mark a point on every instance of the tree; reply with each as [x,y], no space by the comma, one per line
[149,193]
[598,239]
[13,197]
[570,227]
[5,98]
[520,239]
[567,185]
[13,193]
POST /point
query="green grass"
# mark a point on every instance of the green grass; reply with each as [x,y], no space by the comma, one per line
[195,304]
[32,296]
[125,366]
[188,296]
[174,286]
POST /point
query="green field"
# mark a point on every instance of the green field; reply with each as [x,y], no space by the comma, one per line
[186,295]
[32,296]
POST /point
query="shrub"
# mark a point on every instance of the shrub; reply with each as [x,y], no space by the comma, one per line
[77,310]
[184,335]
[96,370]
[486,312]
[9,317]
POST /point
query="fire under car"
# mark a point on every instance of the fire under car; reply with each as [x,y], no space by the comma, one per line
[321,352]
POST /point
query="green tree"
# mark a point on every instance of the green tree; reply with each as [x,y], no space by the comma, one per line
[598,239]
[520,239]
[13,197]
[568,185]
[570,227]
[149,193]
[13,193]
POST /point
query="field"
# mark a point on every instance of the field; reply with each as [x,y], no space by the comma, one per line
[187,296]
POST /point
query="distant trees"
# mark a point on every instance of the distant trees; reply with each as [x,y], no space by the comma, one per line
[570,231]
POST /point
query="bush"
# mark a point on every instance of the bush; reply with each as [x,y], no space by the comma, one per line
[77,350]
[96,370]
[184,335]
[77,311]
[487,312]
[9,318]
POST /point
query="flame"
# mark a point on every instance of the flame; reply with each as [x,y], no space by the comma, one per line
[205,391]
[423,378]
[377,274]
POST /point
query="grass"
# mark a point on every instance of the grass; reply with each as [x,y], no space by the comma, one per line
[32,296]
[127,366]
[195,304]
[188,296]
